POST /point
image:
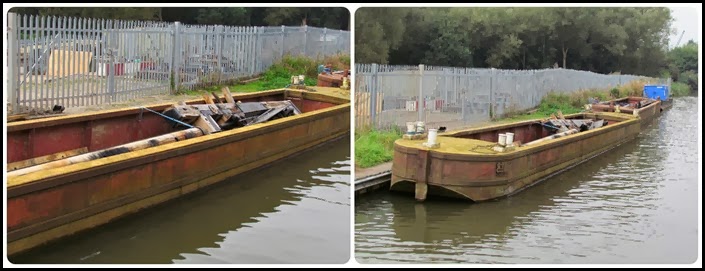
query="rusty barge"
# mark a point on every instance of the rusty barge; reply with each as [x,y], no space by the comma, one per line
[113,163]
[646,109]
[469,163]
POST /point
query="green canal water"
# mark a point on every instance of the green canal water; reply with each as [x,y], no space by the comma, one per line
[635,204]
[295,211]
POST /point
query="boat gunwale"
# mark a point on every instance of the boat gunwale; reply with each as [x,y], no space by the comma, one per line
[628,110]
[102,114]
[521,151]
[44,179]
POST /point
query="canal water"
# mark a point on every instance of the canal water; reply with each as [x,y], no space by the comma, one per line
[294,211]
[636,204]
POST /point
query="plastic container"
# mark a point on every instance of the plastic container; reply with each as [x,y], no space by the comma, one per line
[410,127]
[432,133]
[420,127]
[656,92]
[510,138]
[502,139]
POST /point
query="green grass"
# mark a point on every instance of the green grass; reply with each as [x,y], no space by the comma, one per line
[552,103]
[279,74]
[574,102]
[375,147]
[679,89]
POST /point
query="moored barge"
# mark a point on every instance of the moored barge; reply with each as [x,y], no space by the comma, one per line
[44,205]
[469,163]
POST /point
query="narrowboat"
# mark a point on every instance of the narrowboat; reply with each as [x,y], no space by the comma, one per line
[71,173]
[492,162]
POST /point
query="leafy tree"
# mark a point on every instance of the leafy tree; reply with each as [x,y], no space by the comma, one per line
[378,30]
[223,16]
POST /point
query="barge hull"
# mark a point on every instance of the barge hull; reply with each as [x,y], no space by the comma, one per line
[476,177]
[48,205]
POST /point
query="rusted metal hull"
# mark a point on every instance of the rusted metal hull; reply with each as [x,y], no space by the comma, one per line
[331,80]
[456,171]
[647,114]
[47,205]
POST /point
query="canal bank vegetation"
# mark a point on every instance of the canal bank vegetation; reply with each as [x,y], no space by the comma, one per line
[374,147]
[679,89]
[279,74]
[574,102]
[683,69]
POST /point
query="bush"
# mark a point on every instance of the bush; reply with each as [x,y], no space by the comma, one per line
[614,92]
[679,89]
[690,78]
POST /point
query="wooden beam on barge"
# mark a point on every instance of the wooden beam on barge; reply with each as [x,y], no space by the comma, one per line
[45,159]
[132,146]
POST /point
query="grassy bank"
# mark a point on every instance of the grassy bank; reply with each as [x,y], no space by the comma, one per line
[569,103]
[374,147]
[279,74]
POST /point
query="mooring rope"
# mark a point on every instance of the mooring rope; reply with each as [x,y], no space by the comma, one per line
[167,117]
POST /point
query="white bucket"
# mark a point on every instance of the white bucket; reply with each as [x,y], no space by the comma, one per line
[510,138]
[410,127]
[420,127]
[502,139]
[432,133]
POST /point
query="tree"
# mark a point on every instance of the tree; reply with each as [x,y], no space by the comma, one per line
[232,16]
[685,57]
[378,30]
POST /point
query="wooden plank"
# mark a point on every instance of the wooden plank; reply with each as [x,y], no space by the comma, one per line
[228,96]
[45,159]
[16,117]
[77,62]
[363,107]
[208,98]
[216,99]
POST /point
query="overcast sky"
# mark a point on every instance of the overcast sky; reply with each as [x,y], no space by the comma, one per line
[686,19]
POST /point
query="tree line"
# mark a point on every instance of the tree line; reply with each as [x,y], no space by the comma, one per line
[627,40]
[330,17]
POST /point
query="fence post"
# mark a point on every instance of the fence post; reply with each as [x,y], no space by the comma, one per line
[112,39]
[373,97]
[445,87]
[12,62]
[282,43]
[305,40]
[258,49]
[254,53]
[492,85]
[175,56]
[325,41]
[221,38]
[420,100]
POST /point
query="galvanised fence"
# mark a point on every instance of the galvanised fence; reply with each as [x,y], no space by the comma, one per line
[81,61]
[389,95]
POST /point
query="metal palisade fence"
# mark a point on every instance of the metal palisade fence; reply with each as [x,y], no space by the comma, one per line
[81,61]
[389,95]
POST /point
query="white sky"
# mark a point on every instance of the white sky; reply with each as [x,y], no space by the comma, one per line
[685,18]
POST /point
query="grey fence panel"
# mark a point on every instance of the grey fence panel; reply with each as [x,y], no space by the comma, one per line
[82,61]
[456,97]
